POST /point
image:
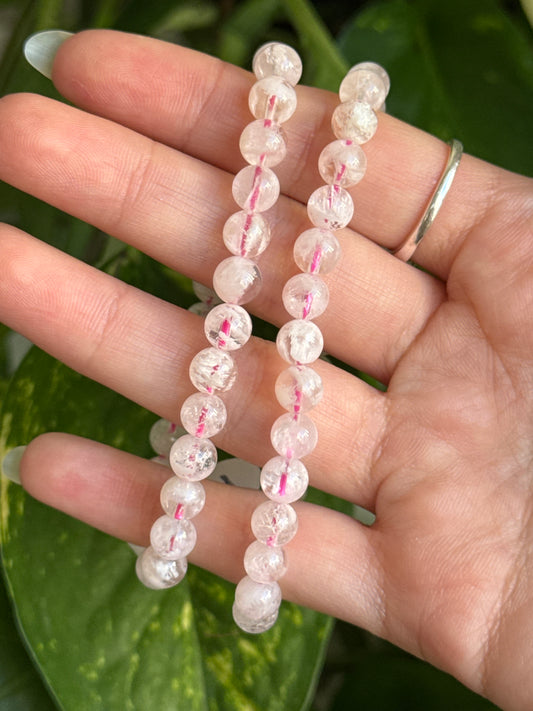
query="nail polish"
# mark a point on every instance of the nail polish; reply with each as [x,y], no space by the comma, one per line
[11,464]
[41,48]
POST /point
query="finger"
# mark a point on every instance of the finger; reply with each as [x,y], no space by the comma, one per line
[141,191]
[190,101]
[141,347]
[119,494]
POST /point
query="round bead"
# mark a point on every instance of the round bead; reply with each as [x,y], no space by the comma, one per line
[172,538]
[305,296]
[163,434]
[317,251]
[262,143]
[354,121]
[377,69]
[364,84]
[277,59]
[299,389]
[331,207]
[299,342]
[237,280]
[272,99]
[212,370]
[181,498]
[342,163]
[274,524]
[205,294]
[294,438]
[228,327]
[192,458]
[200,309]
[264,564]
[203,415]
[284,480]
[255,189]
[157,573]
[246,235]
[252,625]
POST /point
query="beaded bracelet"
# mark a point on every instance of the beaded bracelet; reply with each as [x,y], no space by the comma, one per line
[284,478]
[236,280]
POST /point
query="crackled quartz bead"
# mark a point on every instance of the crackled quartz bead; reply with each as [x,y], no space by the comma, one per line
[294,437]
[363,83]
[284,480]
[172,538]
[181,498]
[192,458]
[264,564]
[237,280]
[354,121]
[163,434]
[299,389]
[228,327]
[317,251]
[262,143]
[272,99]
[277,59]
[274,524]
[203,415]
[200,309]
[256,605]
[205,294]
[377,69]
[246,235]
[330,207]
[212,370]
[342,163]
[255,189]
[305,296]
[157,573]
[299,342]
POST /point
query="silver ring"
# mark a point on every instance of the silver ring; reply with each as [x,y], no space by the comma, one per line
[406,250]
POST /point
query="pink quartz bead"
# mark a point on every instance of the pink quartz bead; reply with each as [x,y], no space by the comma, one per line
[294,437]
[192,458]
[342,163]
[262,143]
[157,573]
[264,564]
[203,415]
[284,480]
[212,370]
[274,524]
[277,59]
[299,342]
[305,296]
[228,327]
[377,69]
[330,207]
[237,280]
[256,605]
[163,434]
[317,251]
[171,538]
[205,294]
[272,99]
[299,389]
[246,234]
[181,498]
[363,83]
[354,121]
[255,189]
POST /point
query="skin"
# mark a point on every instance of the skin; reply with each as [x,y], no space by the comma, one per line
[443,458]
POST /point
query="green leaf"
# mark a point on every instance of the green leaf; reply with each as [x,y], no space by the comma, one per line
[462,70]
[100,639]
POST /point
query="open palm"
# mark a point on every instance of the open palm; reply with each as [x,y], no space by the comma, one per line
[443,457]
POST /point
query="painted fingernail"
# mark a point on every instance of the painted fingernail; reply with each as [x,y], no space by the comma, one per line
[41,48]
[11,464]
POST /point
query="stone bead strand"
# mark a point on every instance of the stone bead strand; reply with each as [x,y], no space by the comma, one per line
[236,281]
[284,478]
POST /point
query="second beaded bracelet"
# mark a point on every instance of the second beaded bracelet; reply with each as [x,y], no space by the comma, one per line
[284,478]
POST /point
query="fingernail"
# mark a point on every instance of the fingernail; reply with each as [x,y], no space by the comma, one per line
[11,464]
[41,48]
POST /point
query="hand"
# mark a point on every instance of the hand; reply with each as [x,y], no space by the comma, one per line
[443,458]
